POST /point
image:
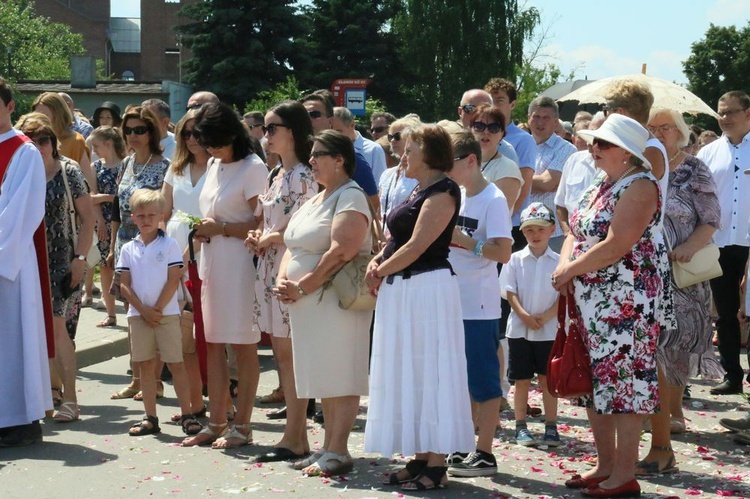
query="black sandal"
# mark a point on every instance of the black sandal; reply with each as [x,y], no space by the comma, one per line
[413,468]
[176,418]
[190,424]
[148,426]
[434,474]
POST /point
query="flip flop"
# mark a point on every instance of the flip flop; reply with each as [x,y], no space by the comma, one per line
[108,321]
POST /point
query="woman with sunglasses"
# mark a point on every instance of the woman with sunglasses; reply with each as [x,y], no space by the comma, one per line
[235,178]
[394,186]
[488,128]
[181,190]
[288,134]
[607,263]
[144,169]
[67,249]
[330,344]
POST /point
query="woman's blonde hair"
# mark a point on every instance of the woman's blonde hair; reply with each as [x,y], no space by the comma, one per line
[182,155]
[114,135]
[633,96]
[61,117]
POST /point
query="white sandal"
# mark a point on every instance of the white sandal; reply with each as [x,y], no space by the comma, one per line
[213,431]
[234,438]
[308,461]
[342,464]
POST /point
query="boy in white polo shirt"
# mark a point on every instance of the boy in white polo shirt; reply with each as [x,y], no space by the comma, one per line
[525,283]
[481,239]
[151,267]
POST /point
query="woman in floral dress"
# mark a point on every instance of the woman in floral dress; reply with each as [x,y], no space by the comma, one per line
[609,263]
[289,134]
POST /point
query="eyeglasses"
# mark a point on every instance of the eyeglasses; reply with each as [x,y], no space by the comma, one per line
[314,115]
[270,129]
[378,129]
[138,130]
[468,108]
[608,109]
[320,154]
[253,127]
[42,140]
[661,128]
[730,112]
[463,156]
[493,128]
[195,105]
[394,137]
[603,145]
[186,134]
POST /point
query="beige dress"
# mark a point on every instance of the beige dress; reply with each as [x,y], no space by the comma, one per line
[330,345]
[226,267]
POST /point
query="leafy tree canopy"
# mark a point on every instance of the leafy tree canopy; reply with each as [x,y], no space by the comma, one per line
[32,47]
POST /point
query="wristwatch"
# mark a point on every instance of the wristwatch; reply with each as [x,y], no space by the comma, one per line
[80,257]
[300,290]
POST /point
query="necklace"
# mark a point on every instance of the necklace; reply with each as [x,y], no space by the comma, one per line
[625,174]
[143,166]
[675,155]
[488,161]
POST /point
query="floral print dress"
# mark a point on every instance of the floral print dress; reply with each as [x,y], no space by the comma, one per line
[287,192]
[619,305]
[106,180]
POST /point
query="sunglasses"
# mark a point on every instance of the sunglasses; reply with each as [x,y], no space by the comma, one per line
[314,115]
[378,129]
[42,140]
[463,156]
[193,106]
[186,134]
[271,128]
[320,154]
[468,108]
[603,145]
[396,136]
[138,130]
[493,128]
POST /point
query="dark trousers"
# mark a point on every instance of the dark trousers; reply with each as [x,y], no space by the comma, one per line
[726,292]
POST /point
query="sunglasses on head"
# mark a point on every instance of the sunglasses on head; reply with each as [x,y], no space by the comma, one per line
[314,115]
[378,129]
[394,136]
[468,108]
[493,128]
[138,130]
[270,129]
[42,140]
[603,144]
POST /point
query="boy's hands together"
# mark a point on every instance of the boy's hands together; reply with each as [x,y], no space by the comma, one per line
[152,316]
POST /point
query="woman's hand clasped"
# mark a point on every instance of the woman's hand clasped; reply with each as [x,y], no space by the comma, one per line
[562,280]
[287,291]
[252,240]
[683,253]
[372,279]
[206,229]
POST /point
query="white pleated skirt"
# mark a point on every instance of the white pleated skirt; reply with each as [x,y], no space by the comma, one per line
[419,395]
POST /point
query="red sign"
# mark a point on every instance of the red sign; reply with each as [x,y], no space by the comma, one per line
[340,86]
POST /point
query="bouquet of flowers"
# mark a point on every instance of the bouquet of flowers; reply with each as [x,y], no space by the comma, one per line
[186,218]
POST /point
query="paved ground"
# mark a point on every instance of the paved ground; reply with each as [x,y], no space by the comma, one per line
[96,458]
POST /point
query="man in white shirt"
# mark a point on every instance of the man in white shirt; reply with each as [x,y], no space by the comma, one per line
[552,152]
[343,121]
[728,158]
[578,174]
[163,114]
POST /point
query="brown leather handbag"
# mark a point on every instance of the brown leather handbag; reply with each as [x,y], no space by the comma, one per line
[569,364]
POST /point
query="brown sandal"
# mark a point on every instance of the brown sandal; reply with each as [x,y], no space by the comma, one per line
[109,321]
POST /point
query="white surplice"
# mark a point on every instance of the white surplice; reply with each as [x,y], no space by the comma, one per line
[24,369]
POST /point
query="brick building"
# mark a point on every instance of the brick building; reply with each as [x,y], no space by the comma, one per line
[140,49]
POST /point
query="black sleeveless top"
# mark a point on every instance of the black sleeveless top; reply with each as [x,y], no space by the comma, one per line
[402,219]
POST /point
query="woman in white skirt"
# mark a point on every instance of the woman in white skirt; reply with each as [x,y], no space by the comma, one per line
[414,407]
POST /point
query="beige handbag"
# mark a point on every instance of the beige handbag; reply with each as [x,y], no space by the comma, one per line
[93,256]
[703,266]
[349,282]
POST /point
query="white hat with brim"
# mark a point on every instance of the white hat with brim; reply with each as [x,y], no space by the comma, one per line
[623,132]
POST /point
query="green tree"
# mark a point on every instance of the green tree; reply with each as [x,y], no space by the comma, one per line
[288,90]
[353,39]
[450,46]
[532,81]
[32,47]
[718,63]
[240,48]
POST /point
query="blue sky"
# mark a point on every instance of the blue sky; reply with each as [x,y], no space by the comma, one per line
[601,38]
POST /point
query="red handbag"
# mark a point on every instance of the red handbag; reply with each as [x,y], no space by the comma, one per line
[569,364]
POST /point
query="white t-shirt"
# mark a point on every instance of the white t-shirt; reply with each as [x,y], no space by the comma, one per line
[169,144]
[529,278]
[578,174]
[482,216]
[501,167]
[149,269]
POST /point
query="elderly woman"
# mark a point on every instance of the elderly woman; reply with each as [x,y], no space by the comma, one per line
[289,134]
[143,169]
[394,186]
[67,247]
[607,260]
[235,178]
[488,128]
[330,356]
[419,332]
[692,215]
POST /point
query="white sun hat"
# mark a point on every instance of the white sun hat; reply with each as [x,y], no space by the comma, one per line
[623,132]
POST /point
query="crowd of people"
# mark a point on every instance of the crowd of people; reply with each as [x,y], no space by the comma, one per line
[474,228]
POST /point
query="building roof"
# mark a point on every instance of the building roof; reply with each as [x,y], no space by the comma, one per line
[104,87]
